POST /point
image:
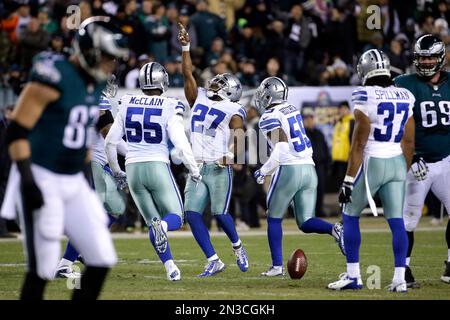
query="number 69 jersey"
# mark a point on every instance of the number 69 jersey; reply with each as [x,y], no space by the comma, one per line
[288,118]
[143,119]
[388,110]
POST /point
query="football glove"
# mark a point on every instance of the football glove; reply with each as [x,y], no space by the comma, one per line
[259,177]
[32,195]
[121,180]
[419,169]
[345,196]
[196,177]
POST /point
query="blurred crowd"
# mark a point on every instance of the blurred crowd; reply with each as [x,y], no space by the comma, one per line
[305,42]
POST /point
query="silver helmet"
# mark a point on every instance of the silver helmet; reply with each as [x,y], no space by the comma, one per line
[226,86]
[110,90]
[271,90]
[153,76]
[373,63]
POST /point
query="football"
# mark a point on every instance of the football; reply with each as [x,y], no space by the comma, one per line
[297,264]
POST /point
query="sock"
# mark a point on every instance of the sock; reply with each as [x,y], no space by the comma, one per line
[408,260]
[237,245]
[226,222]
[171,222]
[168,264]
[352,238]
[316,225]
[447,237]
[91,283]
[410,235]
[33,287]
[112,219]
[275,237]
[399,241]
[164,257]
[200,232]
[353,270]
[71,254]
[399,275]
[214,257]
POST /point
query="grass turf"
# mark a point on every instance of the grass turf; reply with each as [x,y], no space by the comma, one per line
[140,275]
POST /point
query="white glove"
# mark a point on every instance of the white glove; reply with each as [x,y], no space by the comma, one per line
[420,169]
[259,177]
[196,177]
[121,179]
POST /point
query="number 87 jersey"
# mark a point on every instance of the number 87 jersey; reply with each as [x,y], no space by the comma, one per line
[288,118]
[388,110]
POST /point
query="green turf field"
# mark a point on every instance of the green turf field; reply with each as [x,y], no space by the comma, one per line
[139,275]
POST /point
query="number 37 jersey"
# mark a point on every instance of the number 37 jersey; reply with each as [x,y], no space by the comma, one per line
[288,118]
[388,110]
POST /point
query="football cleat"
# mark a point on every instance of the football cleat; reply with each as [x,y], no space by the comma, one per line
[66,272]
[446,276]
[173,274]
[398,287]
[160,235]
[212,268]
[346,283]
[242,260]
[409,278]
[338,234]
[274,271]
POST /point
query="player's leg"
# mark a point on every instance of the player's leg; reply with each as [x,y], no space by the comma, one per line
[415,193]
[283,187]
[392,195]
[220,191]
[43,229]
[305,202]
[86,225]
[352,234]
[441,187]
[196,197]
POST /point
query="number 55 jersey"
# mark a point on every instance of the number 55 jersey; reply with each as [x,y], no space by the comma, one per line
[388,110]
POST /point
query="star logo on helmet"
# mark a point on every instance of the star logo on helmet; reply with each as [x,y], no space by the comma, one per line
[266,85]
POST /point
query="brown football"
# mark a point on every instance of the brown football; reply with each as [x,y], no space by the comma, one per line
[297,264]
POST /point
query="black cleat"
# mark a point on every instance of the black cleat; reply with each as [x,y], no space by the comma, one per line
[409,278]
[446,276]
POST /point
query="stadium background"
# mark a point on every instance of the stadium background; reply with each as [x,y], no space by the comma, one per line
[313,45]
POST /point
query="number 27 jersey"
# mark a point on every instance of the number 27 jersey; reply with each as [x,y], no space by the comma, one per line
[388,110]
[288,118]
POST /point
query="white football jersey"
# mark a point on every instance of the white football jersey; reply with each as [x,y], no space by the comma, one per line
[98,142]
[388,110]
[210,131]
[288,118]
[143,119]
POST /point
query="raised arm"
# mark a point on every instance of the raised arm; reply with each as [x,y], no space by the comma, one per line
[190,85]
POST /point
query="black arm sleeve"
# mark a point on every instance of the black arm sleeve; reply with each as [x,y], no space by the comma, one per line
[352,126]
[104,120]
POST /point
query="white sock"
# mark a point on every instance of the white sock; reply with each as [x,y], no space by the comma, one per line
[237,244]
[65,263]
[214,257]
[164,225]
[353,270]
[399,275]
[448,256]
[408,259]
[168,264]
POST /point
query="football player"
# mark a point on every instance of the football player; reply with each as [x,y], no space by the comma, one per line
[380,155]
[215,114]
[431,166]
[294,178]
[148,121]
[103,181]
[47,142]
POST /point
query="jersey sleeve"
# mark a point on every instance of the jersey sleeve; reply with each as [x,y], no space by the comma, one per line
[180,108]
[269,122]
[46,70]
[104,103]
[360,100]
[240,111]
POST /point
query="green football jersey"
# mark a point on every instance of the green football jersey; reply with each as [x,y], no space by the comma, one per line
[58,141]
[431,114]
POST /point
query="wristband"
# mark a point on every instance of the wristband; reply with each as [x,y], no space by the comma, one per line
[349,179]
[186,47]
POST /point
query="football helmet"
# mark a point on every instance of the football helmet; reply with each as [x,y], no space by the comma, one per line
[153,76]
[95,37]
[373,63]
[226,86]
[271,90]
[429,46]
